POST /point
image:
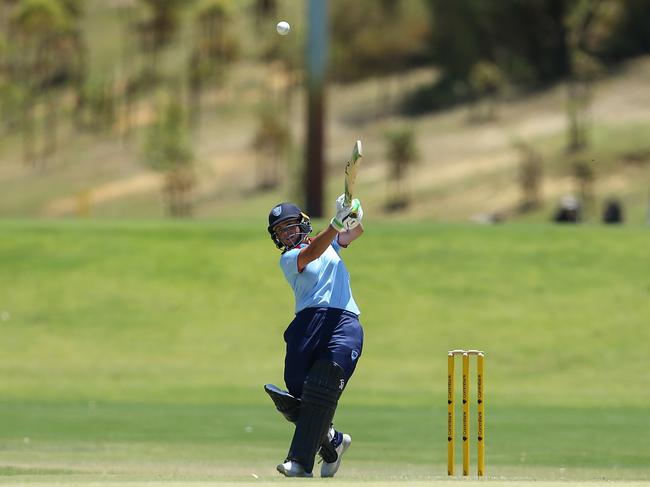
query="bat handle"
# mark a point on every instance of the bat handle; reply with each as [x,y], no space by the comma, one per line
[347,201]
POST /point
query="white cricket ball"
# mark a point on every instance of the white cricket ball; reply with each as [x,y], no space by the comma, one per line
[283,28]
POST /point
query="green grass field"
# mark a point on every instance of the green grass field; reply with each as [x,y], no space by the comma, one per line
[134,353]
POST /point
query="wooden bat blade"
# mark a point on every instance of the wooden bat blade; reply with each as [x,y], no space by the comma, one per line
[351,169]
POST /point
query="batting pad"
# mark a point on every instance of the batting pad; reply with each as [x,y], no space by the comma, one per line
[288,405]
[320,396]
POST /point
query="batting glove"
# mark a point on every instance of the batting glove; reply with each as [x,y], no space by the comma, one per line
[352,222]
[345,213]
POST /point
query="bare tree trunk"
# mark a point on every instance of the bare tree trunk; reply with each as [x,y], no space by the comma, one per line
[577,107]
[79,81]
[530,178]
[177,192]
[195,91]
[28,130]
[125,111]
[50,126]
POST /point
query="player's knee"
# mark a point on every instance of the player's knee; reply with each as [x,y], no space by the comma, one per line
[324,384]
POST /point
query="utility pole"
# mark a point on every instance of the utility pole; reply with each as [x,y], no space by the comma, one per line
[316,78]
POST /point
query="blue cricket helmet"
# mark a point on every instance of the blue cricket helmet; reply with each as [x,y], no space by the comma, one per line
[282,213]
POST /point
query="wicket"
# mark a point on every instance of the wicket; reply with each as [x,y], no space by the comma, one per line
[480,410]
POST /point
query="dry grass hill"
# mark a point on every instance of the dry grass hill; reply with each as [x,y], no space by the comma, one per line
[464,170]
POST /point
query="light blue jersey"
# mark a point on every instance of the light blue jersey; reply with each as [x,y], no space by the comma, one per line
[324,283]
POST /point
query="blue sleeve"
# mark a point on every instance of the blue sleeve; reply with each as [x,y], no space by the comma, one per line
[336,245]
[289,263]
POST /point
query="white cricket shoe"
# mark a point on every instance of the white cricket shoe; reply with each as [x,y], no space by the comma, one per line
[293,469]
[329,469]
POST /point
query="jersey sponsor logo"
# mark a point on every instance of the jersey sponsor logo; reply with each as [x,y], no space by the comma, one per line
[277,210]
[354,354]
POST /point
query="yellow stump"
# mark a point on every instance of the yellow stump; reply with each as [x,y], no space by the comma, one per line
[451,427]
[480,412]
[465,413]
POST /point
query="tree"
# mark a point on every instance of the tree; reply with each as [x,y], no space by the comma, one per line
[630,35]
[159,29]
[401,153]
[43,62]
[264,11]
[358,52]
[530,177]
[168,150]
[585,176]
[99,106]
[486,83]
[271,141]
[585,70]
[9,91]
[214,48]
[589,23]
[526,39]
[534,43]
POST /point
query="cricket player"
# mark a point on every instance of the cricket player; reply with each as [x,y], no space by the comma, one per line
[325,339]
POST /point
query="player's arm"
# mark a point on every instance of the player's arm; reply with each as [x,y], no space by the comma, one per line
[317,246]
[347,237]
[339,224]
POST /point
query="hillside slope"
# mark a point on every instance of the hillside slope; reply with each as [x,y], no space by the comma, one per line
[464,169]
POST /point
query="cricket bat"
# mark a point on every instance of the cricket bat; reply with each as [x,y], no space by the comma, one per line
[351,169]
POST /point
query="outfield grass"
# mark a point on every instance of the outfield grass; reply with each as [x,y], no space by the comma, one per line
[136,351]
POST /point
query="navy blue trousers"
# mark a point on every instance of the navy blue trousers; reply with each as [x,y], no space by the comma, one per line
[321,333]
